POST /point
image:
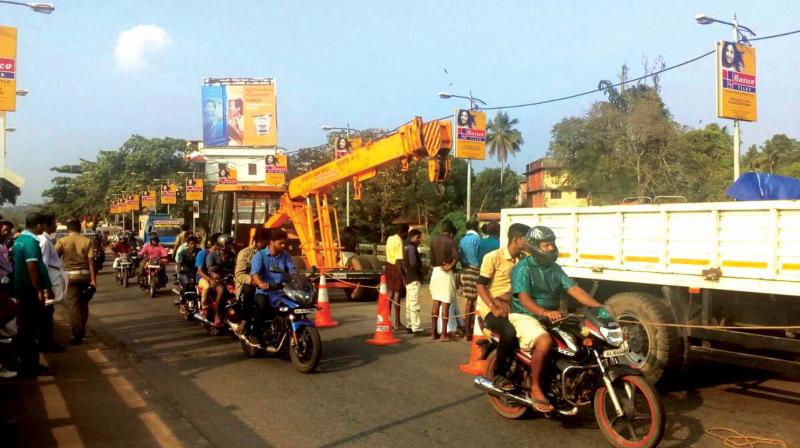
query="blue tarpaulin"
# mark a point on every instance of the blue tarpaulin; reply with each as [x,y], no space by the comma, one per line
[764,187]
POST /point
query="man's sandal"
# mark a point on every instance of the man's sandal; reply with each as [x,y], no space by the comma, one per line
[503,383]
[543,406]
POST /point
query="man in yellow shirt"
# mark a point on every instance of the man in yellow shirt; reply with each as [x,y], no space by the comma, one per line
[394,276]
[494,289]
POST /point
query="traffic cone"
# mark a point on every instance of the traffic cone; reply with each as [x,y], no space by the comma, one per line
[323,318]
[383,326]
[476,365]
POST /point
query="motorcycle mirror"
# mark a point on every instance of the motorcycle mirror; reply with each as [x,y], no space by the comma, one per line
[314,270]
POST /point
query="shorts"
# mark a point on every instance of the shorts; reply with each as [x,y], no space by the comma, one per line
[528,330]
[443,285]
[394,278]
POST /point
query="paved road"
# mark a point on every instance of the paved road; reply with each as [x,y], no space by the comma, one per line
[411,394]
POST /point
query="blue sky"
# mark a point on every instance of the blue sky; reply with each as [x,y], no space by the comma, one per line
[366,63]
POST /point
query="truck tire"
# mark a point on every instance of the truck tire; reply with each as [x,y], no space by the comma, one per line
[361,293]
[655,349]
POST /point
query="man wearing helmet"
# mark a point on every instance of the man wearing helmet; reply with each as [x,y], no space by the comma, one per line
[220,264]
[537,283]
[155,250]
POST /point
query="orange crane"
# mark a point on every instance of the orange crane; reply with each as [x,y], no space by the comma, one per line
[305,204]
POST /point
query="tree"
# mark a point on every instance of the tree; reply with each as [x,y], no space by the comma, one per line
[503,139]
[486,194]
[8,192]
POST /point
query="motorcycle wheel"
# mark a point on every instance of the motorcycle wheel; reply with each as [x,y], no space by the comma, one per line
[506,408]
[124,278]
[153,284]
[306,353]
[642,426]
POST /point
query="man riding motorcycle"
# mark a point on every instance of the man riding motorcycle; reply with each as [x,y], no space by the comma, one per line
[266,280]
[220,264]
[186,262]
[155,250]
[120,247]
[537,282]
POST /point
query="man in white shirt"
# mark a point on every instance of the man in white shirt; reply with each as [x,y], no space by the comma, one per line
[53,262]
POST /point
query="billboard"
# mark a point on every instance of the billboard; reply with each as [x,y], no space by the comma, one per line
[276,168]
[239,112]
[169,194]
[470,134]
[132,201]
[342,148]
[8,68]
[149,199]
[227,175]
[194,189]
[736,81]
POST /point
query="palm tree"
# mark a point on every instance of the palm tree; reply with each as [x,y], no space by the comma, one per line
[503,140]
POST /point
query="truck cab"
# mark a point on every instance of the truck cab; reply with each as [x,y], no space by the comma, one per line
[164,225]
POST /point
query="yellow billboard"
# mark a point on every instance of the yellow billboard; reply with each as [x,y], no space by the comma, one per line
[169,194]
[736,81]
[227,175]
[194,189]
[8,68]
[149,199]
[239,112]
[133,203]
[470,134]
[276,168]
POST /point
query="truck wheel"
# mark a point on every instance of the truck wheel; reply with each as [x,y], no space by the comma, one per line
[655,349]
[361,293]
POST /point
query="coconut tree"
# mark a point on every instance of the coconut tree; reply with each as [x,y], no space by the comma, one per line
[503,139]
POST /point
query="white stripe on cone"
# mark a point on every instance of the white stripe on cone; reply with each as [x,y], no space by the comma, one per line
[383,290]
[323,290]
[476,329]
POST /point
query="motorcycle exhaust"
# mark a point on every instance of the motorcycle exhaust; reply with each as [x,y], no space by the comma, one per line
[269,349]
[202,319]
[486,385]
[175,291]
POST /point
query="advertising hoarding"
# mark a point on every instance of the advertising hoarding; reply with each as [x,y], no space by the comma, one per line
[169,194]
[470,134]
[736,81]
[227,175]
[149,199]
[8,68]
[276,168]
[239,112]
[194,189]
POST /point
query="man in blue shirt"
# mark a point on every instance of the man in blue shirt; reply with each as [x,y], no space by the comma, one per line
[267,281]
[470,271]
[491,242]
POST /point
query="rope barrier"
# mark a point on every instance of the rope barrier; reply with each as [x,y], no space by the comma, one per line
[735,439]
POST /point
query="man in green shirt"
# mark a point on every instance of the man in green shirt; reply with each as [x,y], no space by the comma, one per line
[31,288]
[537,283]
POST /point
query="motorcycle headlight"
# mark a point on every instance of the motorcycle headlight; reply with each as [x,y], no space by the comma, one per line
[612,335]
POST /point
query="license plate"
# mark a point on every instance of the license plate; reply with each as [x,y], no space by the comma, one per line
[622,351]
[339,275]
[304,310]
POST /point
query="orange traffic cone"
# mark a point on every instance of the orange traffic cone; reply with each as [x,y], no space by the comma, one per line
[323,318]
[476,365]
[383,326]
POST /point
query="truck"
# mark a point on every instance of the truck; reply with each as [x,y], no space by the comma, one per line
[166,226]
[717,281]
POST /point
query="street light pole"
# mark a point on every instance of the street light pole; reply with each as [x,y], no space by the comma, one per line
[44,8]
[705,19]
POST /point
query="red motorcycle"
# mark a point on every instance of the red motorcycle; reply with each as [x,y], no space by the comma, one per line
[152,276]
[587,365]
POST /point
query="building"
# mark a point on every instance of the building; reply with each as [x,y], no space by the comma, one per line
[545,186]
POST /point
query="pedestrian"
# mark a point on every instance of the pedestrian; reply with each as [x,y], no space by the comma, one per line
[444,256]
[491,241]
[349,245]
[77,253]
[470,270]
[9,309]
[47,343]
[394,276]
[32,289]
[414,275]
[241,274]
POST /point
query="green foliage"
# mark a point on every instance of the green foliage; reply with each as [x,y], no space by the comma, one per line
[89,186]
[8,192]
[486,191]
[459,219]
[502,137]
[778,155]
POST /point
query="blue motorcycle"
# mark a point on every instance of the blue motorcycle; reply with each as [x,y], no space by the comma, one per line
[290,329]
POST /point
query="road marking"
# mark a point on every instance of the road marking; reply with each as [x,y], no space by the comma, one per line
[159,429]
[67,437]
[97,356]
[54,404]
[126,391]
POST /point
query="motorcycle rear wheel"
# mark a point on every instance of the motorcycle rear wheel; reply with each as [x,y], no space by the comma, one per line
[124,278]
[642,426]
[306,353]
[506,408]
[153,283]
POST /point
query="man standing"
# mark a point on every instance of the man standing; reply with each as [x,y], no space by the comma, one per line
[349,244]
[492,240]
[76,253]
[31,288]
[470,264]
[394,277]
[50,258]
[414,274]
[494,289]
[444,256]
[266,280]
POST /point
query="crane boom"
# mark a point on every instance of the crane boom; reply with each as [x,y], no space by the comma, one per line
[414,140]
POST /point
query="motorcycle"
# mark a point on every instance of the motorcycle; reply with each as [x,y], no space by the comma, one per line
[586,366]
[126,268]
[228,313]
[290,329]
[188,302]
[151,276]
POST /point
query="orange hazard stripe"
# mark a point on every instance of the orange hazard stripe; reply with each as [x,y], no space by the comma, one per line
[791,266]
[693,261]
[744,264]
[596,257]
[638,259]
[563,255]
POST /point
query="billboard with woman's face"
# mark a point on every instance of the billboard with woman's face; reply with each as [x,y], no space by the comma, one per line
[736,81]
[239,112]
[470,134]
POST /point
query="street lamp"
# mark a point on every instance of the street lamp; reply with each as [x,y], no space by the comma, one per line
[11,129]
[22,92]
[44,8]
[738,36]
[472,100]
[328,128]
